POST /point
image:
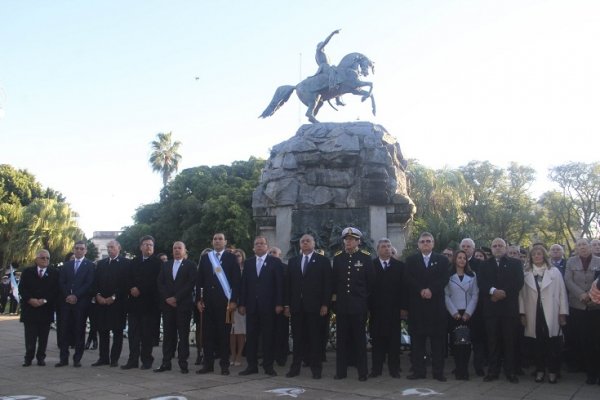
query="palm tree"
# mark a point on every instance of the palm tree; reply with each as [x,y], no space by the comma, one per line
[165,158]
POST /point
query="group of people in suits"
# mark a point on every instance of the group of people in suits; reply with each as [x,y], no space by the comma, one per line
[436,294]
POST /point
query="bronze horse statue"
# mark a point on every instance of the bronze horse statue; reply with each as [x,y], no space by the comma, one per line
[329,83]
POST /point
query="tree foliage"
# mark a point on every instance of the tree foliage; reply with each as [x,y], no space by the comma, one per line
[165,158]
[32,218]
[197,203]
[482,201]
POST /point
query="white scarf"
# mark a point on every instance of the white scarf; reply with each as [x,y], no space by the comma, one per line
[539,271]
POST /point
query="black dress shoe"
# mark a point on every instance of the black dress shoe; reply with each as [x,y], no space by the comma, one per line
[129,366]
[248,371]
[60,364]
[292,373]
[316,375]
[489,378]
[271,372]
[440,378]
[591,380]
[413,377]
[27,364]
[540,377]
[41,363]
[362,378]
[395,374]
[99,363]
[204,370]
[374,374]
[184,370]
[225,371]
[338,377]
[114,364]
[146,366]
[162,368]
[76,364]
[513,378]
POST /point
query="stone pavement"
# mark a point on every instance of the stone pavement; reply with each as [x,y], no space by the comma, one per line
[115,384]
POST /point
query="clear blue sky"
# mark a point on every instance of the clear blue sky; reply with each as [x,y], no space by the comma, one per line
[86,85]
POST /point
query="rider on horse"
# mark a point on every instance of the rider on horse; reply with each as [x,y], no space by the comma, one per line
[324,66]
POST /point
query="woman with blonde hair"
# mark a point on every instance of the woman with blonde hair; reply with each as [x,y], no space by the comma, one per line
[544,308]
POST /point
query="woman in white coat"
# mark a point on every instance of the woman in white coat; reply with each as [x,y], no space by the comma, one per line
[544,308]
[461,293]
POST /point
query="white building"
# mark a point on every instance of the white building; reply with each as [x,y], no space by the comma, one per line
[101,239]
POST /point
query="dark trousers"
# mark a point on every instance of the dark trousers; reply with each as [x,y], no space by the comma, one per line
[176,334]
[215,337]
[3,301]
[140,333]
[306,332]
[282,338]
[36,333]
[351,337]
[13,303]
[461,352]
[91,315]
[479,340]
[258,324]
[547,353]
[386,346]
[113,355]
[72,331]
[438,346]
[501,333]
[586,330]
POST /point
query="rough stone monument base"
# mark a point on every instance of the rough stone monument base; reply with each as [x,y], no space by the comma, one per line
[329,176]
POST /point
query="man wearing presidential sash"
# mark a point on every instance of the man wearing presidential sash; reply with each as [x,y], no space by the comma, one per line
[217,287]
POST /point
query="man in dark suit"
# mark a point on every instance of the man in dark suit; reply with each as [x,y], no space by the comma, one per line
[143,306]
[426,276]
[353,279]
[308,294]
[218,281]
[386,303]
[39,290]
[500,280]
[110,287]
[76,278]
[176,281]
[261,298]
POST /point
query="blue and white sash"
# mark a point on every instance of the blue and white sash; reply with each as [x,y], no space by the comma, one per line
[218,270]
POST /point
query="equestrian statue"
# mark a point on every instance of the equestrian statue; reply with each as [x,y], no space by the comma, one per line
[330,82]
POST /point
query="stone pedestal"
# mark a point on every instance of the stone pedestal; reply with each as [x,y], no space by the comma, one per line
[329,176]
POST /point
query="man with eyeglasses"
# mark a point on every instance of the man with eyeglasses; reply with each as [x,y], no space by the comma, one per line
[142,305]
[426,276]
[75,279]
[39,290]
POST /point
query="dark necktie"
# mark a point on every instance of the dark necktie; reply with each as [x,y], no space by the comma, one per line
[41,273]
[304,265]
[385,265]
[77,262]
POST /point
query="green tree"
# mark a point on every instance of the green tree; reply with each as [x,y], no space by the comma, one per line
[580,186]
[165,158]
[197,203]
[560,221]
[46,224]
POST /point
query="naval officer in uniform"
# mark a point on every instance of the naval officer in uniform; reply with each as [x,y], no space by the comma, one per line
[353,276]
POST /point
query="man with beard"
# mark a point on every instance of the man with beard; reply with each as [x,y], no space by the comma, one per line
[218,281]
[143,308]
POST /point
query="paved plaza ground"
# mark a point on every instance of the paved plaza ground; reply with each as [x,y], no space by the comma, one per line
[115,384]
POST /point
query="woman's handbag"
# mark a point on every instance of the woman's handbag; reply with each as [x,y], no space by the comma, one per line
[462,335]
